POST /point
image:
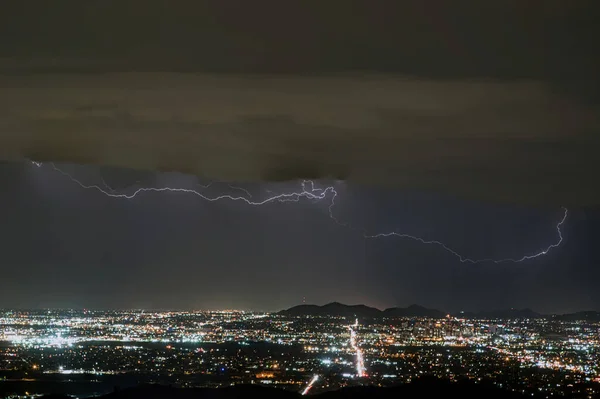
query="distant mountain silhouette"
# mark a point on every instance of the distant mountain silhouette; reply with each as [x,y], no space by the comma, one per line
[426,387]
[336,309]
[585,315]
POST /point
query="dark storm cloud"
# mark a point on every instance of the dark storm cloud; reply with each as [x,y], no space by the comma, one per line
[548,40]
[507,141]
[498,98]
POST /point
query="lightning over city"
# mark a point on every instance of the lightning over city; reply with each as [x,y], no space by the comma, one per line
[285,199]
[469,260]
[308,190]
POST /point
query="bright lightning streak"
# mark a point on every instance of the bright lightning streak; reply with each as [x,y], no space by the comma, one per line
[293,196]
[241,189]
[360,361]
[230,186]
[106,185]
[469,260]
[309,191]
[310,384]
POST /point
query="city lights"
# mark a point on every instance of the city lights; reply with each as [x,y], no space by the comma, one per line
[306,354]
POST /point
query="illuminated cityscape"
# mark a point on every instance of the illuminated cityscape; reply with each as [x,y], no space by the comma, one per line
[97,350]
[299,199]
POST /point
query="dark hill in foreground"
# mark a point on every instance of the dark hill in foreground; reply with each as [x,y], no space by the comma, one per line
[425,388]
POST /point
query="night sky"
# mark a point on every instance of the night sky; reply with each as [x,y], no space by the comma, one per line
[470,122]
[65,246]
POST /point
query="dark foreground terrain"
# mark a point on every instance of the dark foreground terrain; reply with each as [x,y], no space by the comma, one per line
[424,388]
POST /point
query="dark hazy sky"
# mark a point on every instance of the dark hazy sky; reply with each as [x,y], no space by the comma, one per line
[489,99]
[494,102]
[63,245]
[551,40]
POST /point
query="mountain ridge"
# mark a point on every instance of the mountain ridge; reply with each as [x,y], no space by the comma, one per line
[337,309]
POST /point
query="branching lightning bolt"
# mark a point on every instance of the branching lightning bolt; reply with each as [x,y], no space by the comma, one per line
[315,194]
[469,260]
[311,192]
[109,188]
[241,189]
[228,185]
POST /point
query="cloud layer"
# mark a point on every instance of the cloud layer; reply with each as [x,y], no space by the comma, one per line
[495,99]
[515,141]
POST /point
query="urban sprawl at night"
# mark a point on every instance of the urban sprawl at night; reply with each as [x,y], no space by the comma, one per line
[307,353]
